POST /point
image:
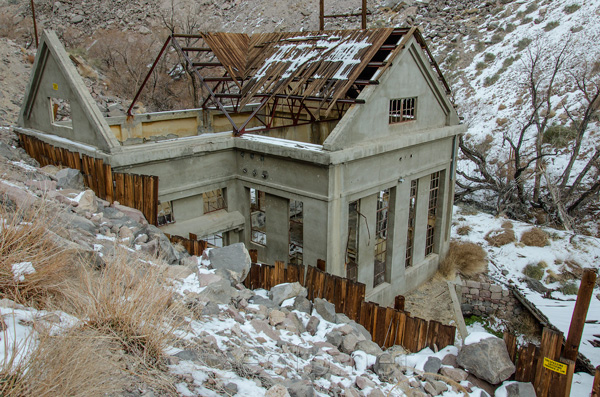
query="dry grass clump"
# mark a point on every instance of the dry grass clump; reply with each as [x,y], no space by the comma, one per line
[500,237]
[535,237]
[535,271]
[463,230]
[33,269]
[71,364]
[465,258]
[128,301]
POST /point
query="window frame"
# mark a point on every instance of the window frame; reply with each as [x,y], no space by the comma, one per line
[402,110]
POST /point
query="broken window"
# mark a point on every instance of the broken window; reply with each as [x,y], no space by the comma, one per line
[258,218]
[61,110]
[381,233]
[165,213]
[434,188]
[412,211]
[296,232]
[214,200]
[404,109]
[214,241]
[352,242]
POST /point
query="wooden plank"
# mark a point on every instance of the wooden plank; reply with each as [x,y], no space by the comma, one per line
[154,212]
[99,172]
[329,289]
[360,297]
[390,327]
[399,302]
[309,282]
[446,335]
[422,334]
[253,255]
[380,325]
[321,265]
[279,273]
[561,384]
[550,347]
[526,363]
[301,274]
[411,334]
[138,192]
[511,345]
[92,176]
[340,294]
[119,192]
[586,289]
[147,199]
[432,335]
[400,327]
[596,384]
[129,197]
[108,183]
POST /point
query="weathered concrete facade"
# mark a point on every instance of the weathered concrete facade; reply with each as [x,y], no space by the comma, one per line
[361,161]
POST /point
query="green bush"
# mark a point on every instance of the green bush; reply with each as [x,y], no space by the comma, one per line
[480,46]
[510,27]
[531,8]
[569,288]
[526,20]
[489,57]
[571,8]
[576,29]
[534,271]
[481,65]
[559,135]
[490,80]
[523,43]
[497,38]
[551,25]
[507,62]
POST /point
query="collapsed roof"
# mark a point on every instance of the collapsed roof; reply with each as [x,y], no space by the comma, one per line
[327,69]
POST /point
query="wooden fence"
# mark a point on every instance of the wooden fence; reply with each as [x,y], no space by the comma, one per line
[192,245]
[533,365]
[132,190]
[387,325]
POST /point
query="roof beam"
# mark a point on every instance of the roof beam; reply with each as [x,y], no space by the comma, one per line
[300,97]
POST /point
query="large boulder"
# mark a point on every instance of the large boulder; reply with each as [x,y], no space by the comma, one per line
[219,292]
[233,260]
[325,309]
[69,178]
[281,292]
[487,359]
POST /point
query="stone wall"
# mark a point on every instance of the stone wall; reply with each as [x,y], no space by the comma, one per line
[486,298]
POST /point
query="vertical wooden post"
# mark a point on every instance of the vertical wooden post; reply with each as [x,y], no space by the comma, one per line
[511,346]
[321,14]
[399,302]
[579,314]
[321,265]
[596,384]
[561,384]
[550,347]
[363,24]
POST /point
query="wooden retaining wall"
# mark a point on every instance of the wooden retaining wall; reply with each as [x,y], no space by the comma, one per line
[132,190]
[387,325]
[192,245]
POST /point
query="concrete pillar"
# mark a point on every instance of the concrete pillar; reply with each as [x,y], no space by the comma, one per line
[399,205]
[421,220]
[441,215]
[366,237]
[315,232]
[277,225]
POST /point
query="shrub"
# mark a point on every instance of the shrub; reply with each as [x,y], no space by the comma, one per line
[465,258]
[534,271]
[571,8]
[535,237]
[463,230]
[526,20]
[531,8]
[490,80]
[511,27]
[497,38]
[551,25]
[501,121]
[489,57]
[507,62]
[559,136]
[480,46]
[33,268]
[569,288]
[523,43]
[481,65]
[500,237]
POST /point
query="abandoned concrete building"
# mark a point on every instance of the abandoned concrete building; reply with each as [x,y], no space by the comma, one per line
[332,145]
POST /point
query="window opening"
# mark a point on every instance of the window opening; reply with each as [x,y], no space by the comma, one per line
[214,200]
[165,213]
[404,109]
[434,188]
[412,210]
[214,241]
[258,217]
[296,232]
[381,233]
[61,110]
[352,243]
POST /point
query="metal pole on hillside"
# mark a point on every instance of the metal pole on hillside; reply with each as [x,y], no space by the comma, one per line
[34,24]
[582,305]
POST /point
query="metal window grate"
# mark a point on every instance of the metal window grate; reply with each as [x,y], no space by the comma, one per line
[381,233]
[412,208]
[403,109]
[352,243]
[258,217]
[296,232]
[214,200]
[165,213]
[434,189]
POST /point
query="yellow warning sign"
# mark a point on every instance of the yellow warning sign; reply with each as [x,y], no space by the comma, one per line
[55,86]
[555,366]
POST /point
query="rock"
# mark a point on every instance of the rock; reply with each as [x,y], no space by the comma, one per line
[313,324]
[362,382]
[8,152]
[487,359]
[535,285]
[132,213]
[450,359]
[455,374]
[516,389]
[376,393]
[73,221]
[360,330]
[302,304]
[233,260]
[277,391]
[76,19]
[263,326]
[369,347]
[335,338]
[207,279]
[341,318]
[300,388]
[69,178]
[188,355]
[87,202]
[351,392]
[219,292]
[231,389]
[432,365]
[281,292]
[125,232]
[349,343]
[276,317]
[210,309]
[325,309]
[385,367]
